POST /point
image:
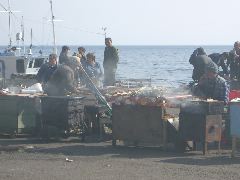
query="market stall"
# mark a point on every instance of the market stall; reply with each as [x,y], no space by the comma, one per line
[201,121]
[19,113]
[145,116]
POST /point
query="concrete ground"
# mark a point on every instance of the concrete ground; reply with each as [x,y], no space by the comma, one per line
[70,159]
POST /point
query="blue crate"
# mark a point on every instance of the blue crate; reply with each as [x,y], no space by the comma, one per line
[235,118]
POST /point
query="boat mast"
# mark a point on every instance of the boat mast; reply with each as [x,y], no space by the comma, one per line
[10,12]
[22,30]
[9,24]
[30,48]
[54,37]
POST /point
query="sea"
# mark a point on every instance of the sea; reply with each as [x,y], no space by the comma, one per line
[164,65]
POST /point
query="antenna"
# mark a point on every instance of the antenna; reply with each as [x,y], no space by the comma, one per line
[9,24]
[22,30]
[30,48]
[54,37]
[105,31]
[9,11]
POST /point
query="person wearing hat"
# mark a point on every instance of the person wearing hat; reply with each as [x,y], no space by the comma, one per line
[110,62]
[211,85]
[64,55]
[199,60]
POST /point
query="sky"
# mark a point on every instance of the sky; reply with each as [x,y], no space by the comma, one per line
[128,22]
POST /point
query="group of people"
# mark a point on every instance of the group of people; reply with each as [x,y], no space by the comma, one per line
[59,78]
[61,75]
[228,61]
[211,83]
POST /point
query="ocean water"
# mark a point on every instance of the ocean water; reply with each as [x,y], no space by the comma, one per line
[165,65]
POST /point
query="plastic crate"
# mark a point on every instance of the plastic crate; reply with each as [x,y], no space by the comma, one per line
[234,94]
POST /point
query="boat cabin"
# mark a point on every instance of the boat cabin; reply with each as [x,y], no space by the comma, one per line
[20,65]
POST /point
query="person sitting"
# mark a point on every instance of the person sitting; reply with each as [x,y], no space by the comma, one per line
[220,59]
[93,69]
[64,55]
[211,85]
[199,60]
[62,81]
[47,69]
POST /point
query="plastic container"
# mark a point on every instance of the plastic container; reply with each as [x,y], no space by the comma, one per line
[234,94]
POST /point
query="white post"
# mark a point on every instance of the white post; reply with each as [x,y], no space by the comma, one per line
[23,44]
[54,37]
[9,24]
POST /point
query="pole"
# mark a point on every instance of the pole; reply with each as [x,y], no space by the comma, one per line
[22,29]
[105,32]
[54,37]
[9,24]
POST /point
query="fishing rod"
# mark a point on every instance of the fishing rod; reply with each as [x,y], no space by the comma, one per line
[96,91]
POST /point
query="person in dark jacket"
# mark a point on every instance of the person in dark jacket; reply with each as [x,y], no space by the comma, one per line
[211,85]
[199,60]
[110,62]
[220,59]
[47,69]
[64,55]
[234,61]
[62,80]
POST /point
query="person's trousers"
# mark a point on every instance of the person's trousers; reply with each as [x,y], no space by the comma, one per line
[109,76]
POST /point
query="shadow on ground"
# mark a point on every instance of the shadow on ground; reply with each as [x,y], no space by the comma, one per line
[203,160]
[93,147]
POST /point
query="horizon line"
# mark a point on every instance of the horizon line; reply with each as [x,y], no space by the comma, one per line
[129,45]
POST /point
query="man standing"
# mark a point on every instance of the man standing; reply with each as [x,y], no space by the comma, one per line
[233,61]
[47,69]
[64,55]
[110,62]
[81,53]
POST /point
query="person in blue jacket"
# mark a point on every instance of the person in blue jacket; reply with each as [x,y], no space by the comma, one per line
[93,69]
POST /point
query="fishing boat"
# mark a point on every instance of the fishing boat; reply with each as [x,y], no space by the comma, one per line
[14,61]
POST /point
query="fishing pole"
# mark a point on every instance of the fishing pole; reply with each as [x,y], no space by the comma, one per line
[96,91]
